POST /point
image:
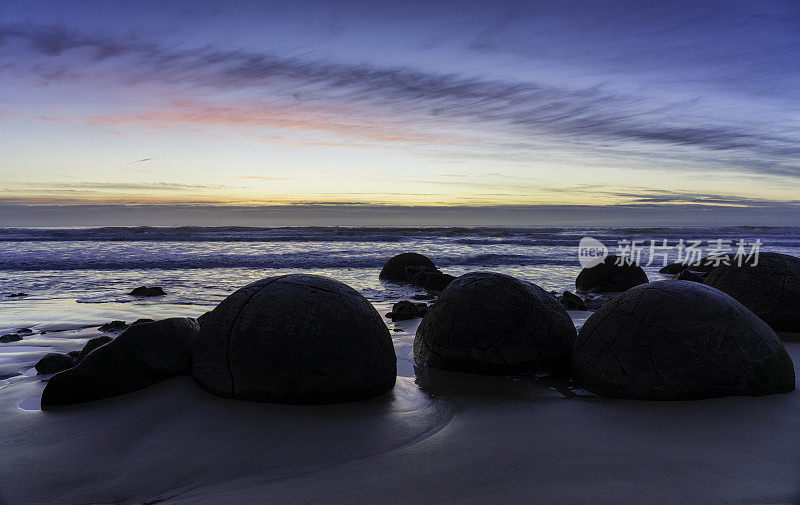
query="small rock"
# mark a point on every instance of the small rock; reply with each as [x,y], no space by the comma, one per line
[113,326]
[673,268]
[55,362]
[10,337]
[145,291]
[93,344]
[404,310]
[687,275]
[395,268]
[16,295]
[571,301]
[437,281]
[425,296]
[143,320]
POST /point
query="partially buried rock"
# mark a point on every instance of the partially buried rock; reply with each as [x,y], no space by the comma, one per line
[93,344]
[299,339]
[407,310]
[571,301]
[673,268]
[145,291]
[113,326]
[614,274]
[395,268]
[688,275]
[490,323]
[55,362]
[10,337]
[769,286]
[141,356]
[437,281]
[679,340]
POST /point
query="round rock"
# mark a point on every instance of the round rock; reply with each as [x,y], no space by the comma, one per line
[299,339]
[612,275]
[769,287]
[494,324]
[395,268]
[679,340]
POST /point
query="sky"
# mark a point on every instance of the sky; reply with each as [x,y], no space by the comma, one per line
[542,112]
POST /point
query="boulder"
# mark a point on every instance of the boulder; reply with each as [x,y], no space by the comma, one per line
[420,273]
[55,362]
[423,296]
[571,301]
[679,340]
[93,344]
[769,287]
[145,291]
[437,281]
[10,337]
[395,268]
[609,276]
[494,324]
[141,356]
[298,339]
[404,310]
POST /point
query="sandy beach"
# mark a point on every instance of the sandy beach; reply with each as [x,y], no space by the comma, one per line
[440,438]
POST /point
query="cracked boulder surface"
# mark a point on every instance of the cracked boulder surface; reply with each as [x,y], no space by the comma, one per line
[679,340]
[608,277]
[395,268]
[771,288]
[494,324]
[297,339]
[139,357]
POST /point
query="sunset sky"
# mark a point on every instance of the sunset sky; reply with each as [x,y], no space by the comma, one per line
[179,112]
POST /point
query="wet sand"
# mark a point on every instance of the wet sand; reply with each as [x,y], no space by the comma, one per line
[460,439]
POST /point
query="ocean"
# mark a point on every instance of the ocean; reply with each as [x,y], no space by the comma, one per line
[76,279]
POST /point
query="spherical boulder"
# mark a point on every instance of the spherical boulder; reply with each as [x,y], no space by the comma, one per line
[769,287]
[679,340]
[298,339]
[494,324]
[612,275]
[141,356]
[395,268]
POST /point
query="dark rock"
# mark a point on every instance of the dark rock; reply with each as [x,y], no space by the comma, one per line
[298,339]
[571,301]
[608,276]
[437,281]
[494,324]
[688,275]
[55,362]
[771,288]
[594,301]
[10,337]
[16,295]
[395,268]
[403,310]
[145,291]
[411,272]
[426,296]
[113,326]
[75,354]
[142,320]
[422,309]
[679,340]
[24,331]
[203,318]
[673,268]
[709,263]
[420,278]
[93,344]
[141,356]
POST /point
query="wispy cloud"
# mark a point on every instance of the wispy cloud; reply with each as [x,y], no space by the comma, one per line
[588,120]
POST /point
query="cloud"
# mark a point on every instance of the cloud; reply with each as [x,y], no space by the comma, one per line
[587,120]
